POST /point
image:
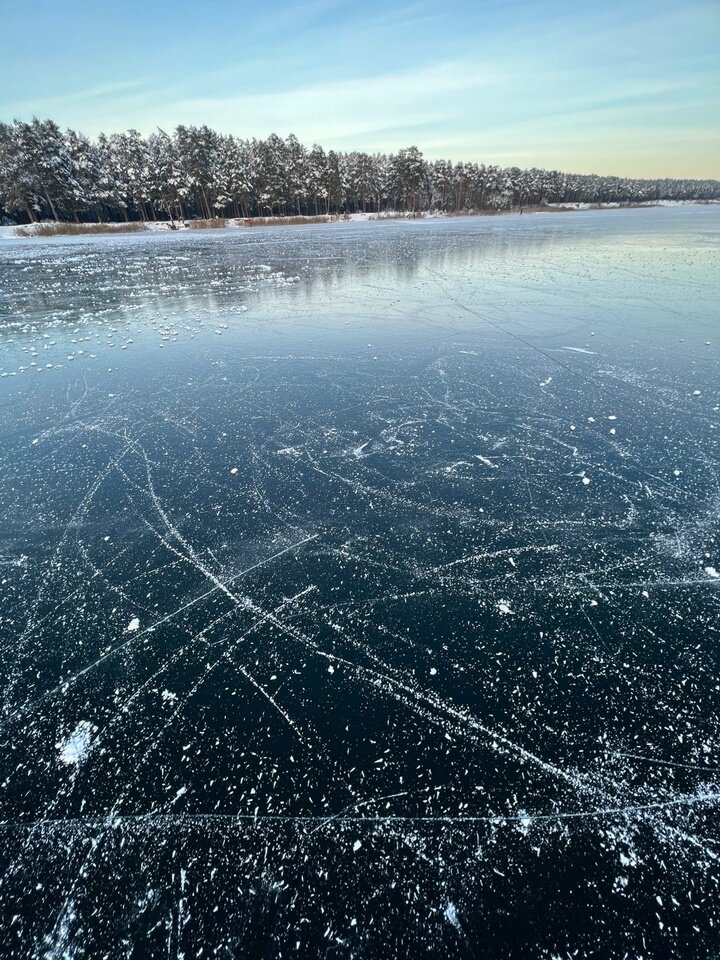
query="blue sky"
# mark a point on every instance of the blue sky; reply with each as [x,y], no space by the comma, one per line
[631,88]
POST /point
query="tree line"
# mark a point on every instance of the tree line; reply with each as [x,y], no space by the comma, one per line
[195,172]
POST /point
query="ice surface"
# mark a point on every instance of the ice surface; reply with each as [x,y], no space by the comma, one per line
[315,643]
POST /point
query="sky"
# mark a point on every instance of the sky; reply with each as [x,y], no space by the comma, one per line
[629,88]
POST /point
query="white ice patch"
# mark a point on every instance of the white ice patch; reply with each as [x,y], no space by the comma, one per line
[133,626]
[75,748]
[524,821]
[712,572]
[451,916]
[504,607]
[180,793]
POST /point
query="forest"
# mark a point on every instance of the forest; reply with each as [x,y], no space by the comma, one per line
[195,172]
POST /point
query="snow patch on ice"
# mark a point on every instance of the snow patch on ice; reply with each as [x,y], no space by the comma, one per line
[75,748]
[451,916]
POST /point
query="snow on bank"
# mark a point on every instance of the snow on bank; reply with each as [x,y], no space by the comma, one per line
[625,204]
[9,232]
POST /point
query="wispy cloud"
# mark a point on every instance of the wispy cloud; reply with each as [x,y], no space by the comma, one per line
[335,110]
[104,92]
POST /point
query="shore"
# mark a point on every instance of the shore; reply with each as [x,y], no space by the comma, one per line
[54,229]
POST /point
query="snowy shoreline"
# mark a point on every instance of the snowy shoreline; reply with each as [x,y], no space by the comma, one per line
[32,231]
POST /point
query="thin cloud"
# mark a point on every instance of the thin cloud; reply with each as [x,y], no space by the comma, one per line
[103,92]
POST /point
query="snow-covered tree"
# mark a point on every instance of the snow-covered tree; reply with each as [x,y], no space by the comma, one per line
[198,172]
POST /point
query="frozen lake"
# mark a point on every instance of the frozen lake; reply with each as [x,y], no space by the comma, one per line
[360,590]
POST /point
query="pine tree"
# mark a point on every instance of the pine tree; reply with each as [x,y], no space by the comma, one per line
[196,171]
[18,187]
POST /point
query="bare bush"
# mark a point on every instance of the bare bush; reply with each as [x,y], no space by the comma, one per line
[77,229]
